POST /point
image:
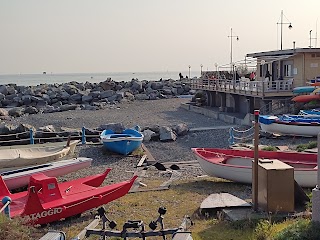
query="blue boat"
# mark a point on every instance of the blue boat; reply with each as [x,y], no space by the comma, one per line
[305,89]
[295,125]
[123,143]
[310,112]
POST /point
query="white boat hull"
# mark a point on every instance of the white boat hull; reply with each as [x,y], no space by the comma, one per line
[19,156]
[295,130]
[20,177]
[243,174]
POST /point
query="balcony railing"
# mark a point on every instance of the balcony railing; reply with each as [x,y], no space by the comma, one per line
[260,88]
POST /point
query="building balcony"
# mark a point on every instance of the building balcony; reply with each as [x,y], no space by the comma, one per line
[263,89]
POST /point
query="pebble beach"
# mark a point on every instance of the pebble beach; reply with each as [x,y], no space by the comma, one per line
[163,112]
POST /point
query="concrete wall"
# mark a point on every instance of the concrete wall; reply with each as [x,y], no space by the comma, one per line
[298,63]
[312,66]
[307,67]
[247,121]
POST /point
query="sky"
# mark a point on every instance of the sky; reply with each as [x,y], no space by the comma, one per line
[83,36]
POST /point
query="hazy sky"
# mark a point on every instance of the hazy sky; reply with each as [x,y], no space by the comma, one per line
[70,36]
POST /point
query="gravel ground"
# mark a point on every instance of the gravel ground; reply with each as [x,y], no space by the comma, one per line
[165,112]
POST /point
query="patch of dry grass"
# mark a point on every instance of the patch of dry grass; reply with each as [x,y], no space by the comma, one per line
[183,198]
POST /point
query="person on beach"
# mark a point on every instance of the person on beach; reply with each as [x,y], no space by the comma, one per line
[268,75]
[252,76]
[180,76]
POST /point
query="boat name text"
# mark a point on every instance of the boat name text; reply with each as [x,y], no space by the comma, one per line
[43,214]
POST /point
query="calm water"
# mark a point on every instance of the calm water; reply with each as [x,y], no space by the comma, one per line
[35,79]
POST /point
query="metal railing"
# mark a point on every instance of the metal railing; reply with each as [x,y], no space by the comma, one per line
[243,85]
[276,107]
[32,137]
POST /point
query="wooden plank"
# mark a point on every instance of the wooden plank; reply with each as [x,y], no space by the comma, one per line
[93,224]
[181,162]
[149,189]
[150,158]
[142,160]
[174,176]
[136,182]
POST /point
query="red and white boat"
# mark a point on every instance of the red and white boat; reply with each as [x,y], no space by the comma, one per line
[47,201]
[20,177]
[236,165]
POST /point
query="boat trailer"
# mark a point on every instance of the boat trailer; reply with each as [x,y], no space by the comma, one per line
[136,228]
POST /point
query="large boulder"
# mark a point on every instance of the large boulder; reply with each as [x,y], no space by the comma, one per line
[107,94]
[31,110]
[68,107]
[7,128]
[3,89]
[16,111]
[181,129]
[3,112]
[116,127]
[167,134]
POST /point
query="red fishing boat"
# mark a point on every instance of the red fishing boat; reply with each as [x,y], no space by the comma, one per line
[47,201]
[236,165]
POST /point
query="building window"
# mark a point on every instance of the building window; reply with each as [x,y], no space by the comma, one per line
[287,70]
[315,55]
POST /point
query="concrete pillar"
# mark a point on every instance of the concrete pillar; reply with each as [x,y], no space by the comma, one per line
[223,99]
[236,99]
[211,99]
[217,99]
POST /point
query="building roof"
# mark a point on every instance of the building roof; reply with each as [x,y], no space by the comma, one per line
[286,52]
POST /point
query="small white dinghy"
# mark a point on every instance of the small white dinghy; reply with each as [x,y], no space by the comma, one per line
[20,177]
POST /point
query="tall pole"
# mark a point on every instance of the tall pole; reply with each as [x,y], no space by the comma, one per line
[231,48]
[281,23]
[281,27]
[231,36]
[310,39]
[256,158]
[189,71]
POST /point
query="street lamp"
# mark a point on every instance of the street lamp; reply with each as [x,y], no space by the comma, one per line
[231,37]
[315,38]
[201,69]
[282,23]
[217,74]
[189,71]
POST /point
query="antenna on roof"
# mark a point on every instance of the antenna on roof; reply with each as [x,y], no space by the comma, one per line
[316,38]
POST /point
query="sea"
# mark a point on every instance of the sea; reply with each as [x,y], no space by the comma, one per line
[50,78]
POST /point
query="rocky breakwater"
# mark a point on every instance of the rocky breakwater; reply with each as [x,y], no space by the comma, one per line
[12,134]
[47,98]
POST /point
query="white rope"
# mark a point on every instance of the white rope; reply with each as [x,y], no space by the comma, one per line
[243,131]
[4,206]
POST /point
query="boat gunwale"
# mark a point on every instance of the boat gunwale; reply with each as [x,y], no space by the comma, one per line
[222,163]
